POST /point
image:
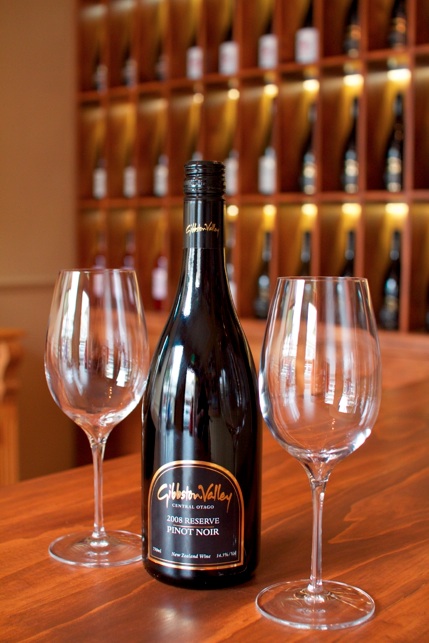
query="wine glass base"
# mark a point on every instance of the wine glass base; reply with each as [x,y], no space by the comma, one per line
[338,606]
[114,548]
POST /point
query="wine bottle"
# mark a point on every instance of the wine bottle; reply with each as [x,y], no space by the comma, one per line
[267,163]
[159,281]
[308,165]
[99,176]
[99,78]
[398,25]
[268,44]
[129,186]
[395,149]
[261,303]
[201,422]
[389,311]
[228,49]
[128,258]
[129,68]
[194,59]
[99,254]
[349,256]
[231,173]
[304,269]
[352,30]
[307,39]
[160,176]
[350,174]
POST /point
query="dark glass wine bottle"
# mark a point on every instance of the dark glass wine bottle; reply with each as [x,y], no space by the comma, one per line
[389,311]
[261,303]
[349,256]
[398,25]
[267,163]
[350,174]
[201,419]
[304,269]
[308,165]
[394,172]
[352,30]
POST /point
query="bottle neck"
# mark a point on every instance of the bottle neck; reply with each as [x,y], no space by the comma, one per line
[203,281]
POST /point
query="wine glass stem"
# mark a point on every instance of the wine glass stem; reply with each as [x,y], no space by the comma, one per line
[318,495]
[97,448]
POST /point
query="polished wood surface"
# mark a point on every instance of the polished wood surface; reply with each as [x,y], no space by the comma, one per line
[376,536]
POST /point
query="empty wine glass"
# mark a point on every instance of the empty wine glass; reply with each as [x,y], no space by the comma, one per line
[96,365]
[320,389]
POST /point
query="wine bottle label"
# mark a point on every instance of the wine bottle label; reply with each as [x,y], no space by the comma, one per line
[228,57]
[267,173]
[194,62]
[196,517]
[159,283]
[160,179]
[268,51]
[99,185]
[130,181]
[307,45]
[231,175]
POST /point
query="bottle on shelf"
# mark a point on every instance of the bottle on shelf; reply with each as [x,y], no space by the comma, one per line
[99,77]
[159,281]
[398,25]
[267,163]
[352,30]
[128,258]
[228,49]
[349,256]
[129,182]
[268,44]
[160,176]
[350,173]
[304,269]
[308,163]
[307,39]
[194,59]
[99,254]
[389,310]
[394,157]
[99,176]
[129,68]
[261,303]
[202,441]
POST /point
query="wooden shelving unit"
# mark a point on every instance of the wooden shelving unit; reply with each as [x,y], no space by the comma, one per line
[124,123]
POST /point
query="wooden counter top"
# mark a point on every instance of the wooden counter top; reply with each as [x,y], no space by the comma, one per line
[376,536]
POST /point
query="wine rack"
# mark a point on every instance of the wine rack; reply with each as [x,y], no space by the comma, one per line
[138,109]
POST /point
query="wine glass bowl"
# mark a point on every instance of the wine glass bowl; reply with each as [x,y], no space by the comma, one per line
[320,389]
[96,365]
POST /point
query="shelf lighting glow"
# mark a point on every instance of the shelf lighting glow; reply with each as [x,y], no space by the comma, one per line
[310,85]
[353,80]
[309,209]
[351,210]
[198,98]
[397,210]
[232,211]
[400,74]
[269,212]
[271,90]
[233,93]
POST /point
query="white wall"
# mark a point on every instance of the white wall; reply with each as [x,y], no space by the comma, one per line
[37,203]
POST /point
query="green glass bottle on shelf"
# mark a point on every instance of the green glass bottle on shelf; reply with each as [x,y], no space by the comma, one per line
[394,169]
[261,303]
[308,165]
[352,30]
[348,268]
[398,25]
[304,269]
[389,310]
[350,174]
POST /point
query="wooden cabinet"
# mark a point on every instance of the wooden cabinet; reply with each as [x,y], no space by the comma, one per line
[11,352]
[139,113]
